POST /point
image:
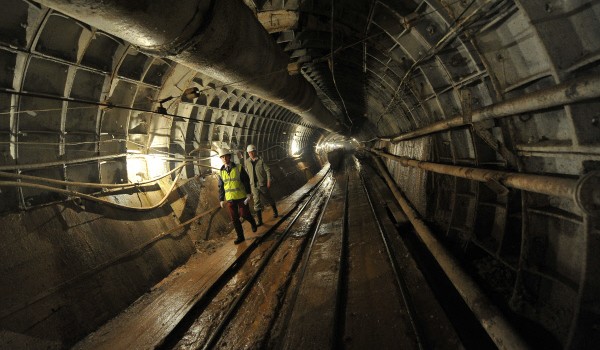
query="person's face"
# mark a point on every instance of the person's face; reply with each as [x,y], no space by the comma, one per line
[252,154]
[226,159]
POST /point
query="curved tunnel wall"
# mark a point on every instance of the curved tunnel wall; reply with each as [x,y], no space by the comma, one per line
[79,105]
[201,35]
[425,62]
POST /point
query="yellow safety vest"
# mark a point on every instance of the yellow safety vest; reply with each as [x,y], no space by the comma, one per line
[232,183]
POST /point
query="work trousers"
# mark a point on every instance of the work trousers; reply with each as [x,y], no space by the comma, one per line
[238,209]
[257,192]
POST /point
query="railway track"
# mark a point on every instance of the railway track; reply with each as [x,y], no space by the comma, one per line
[333,273]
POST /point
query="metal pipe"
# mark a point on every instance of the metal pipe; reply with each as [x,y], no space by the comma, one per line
[492,320]
[576,90]
[550,185]
[221,38]
[60,162]
[93,198]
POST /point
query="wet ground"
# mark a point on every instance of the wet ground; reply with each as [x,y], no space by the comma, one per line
[325,280]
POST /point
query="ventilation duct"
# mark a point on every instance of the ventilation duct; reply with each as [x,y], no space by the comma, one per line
[220,38]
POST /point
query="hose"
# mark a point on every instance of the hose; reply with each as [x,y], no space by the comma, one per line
[88,184]
[92,198]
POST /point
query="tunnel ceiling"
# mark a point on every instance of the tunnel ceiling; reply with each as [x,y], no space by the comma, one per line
[391,66]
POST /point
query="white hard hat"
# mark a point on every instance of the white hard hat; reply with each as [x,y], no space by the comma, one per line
[250,148]
[224,151]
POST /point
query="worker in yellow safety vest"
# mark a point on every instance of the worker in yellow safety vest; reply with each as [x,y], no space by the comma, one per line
[234,191]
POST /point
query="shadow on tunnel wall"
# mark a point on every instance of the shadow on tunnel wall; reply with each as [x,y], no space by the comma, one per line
[289,174]
[336,159]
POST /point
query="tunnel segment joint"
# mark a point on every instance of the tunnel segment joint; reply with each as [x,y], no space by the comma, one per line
[587,193]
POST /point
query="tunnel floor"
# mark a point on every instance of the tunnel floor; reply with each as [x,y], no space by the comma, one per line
[320,276]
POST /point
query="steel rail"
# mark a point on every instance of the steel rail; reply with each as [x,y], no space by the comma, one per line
[576,90]
[307,254]
[235,305]
[491,318]
[404,292]
[340,308]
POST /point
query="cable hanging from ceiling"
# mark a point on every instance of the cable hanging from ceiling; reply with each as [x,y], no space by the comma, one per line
[108,105]
[331,66]
[187,95]
[106,188]
[452,32]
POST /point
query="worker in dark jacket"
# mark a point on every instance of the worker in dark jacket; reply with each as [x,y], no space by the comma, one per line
[234,191]
[260,182]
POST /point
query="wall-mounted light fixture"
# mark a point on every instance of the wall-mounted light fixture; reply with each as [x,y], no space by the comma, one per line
[190,94]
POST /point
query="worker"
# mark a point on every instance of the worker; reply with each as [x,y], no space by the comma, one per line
[234,191]
[260,182]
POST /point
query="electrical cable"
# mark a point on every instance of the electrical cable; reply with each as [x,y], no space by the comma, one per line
[32,166]
[89,142]
[89,184]
[433,50]
[333,69]
[96,185]
[109,105]
[62,162]
[419,17]
[92,198]
[326,57]
[29,111]
[65,143]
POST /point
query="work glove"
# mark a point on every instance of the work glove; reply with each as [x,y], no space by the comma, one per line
[222,204]
[247,200]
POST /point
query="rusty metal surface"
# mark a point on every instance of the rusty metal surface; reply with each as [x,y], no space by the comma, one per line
[562,187]
[581,89]
[499,329]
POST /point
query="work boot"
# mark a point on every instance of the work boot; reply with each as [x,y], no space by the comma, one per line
[275,213]
[252,223]
[259,218]
[240,235]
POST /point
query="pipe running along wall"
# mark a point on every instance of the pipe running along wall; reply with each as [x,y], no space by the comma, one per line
[583,191]
[221,38]
[492,320]
[581,89]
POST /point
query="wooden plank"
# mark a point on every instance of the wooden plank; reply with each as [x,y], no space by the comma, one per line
[145,325]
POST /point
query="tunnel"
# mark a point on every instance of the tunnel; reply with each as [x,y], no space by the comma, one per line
[437,160]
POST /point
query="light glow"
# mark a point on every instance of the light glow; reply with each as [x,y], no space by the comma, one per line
[136,169]
[215,161]
[295,148]
[141,167]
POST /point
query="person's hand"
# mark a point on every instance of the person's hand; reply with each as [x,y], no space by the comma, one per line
[247,199]
[268,184]
[222,204]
